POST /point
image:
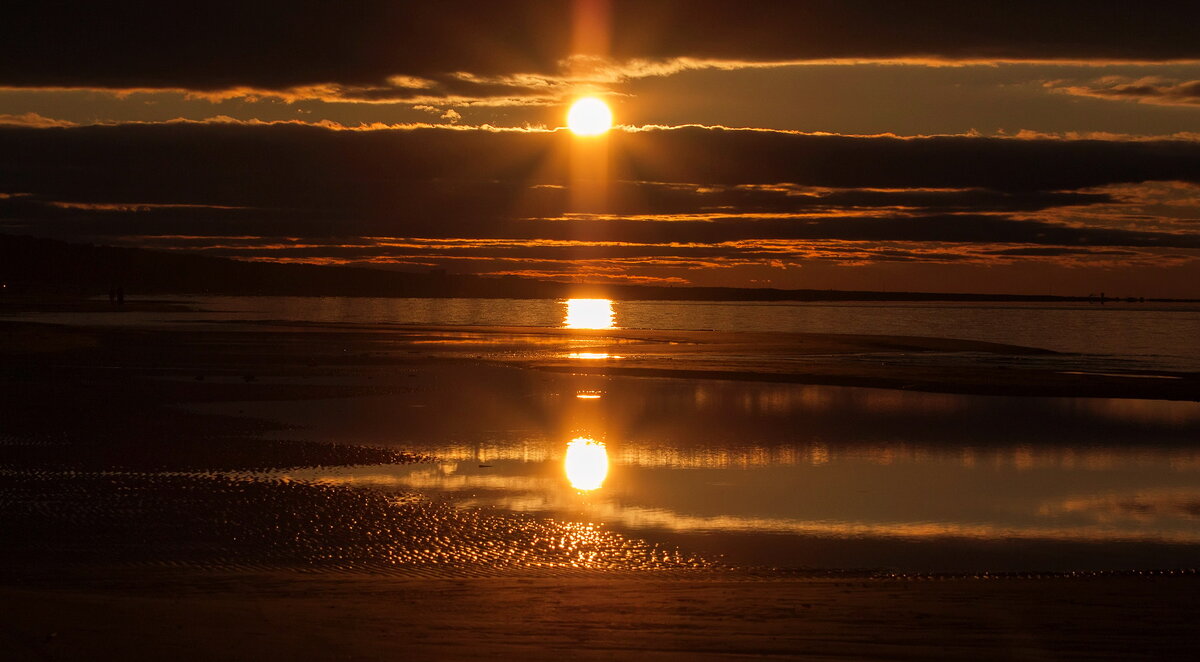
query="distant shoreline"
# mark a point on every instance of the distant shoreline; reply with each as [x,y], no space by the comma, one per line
[37,269]
[57,302]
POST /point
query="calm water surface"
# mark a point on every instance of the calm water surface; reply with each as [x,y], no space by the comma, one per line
[1162,336]
[796,476]
[783,475]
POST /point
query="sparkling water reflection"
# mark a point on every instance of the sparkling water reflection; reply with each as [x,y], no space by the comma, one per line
[589,314]
[1113,336]
[837,477]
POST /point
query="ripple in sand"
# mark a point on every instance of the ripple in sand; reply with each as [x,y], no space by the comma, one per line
[217,521]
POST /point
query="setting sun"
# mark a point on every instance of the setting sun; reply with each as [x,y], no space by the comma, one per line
[589,116]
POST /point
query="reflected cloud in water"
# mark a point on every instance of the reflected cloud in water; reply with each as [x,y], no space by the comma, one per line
[732,461]
[818,490]
[1147,411]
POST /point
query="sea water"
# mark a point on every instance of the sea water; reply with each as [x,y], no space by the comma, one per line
[1161,336]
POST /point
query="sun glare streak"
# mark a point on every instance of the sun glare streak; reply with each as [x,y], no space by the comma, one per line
[590,314]
[586,464]
[589,116]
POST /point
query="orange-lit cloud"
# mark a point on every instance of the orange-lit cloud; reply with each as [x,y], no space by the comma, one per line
[1153,90]
[34,120]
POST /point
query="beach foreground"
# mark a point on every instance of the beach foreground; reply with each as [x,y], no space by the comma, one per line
[141,469]
[158,615]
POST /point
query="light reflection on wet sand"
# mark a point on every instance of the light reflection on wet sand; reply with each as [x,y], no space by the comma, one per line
[725,462]
[213,520]
[717,497]
[1021,458]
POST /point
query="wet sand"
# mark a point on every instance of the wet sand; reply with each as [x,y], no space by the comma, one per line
[65,304]
[354,617]
[136,539]
[287,349]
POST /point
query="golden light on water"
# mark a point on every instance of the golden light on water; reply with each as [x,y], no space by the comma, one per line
[590,314]
[589,116]
[586,464]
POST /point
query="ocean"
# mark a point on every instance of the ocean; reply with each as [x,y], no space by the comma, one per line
[1160,336]
[793,476]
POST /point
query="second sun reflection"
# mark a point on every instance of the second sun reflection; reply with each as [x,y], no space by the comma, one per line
[586,464]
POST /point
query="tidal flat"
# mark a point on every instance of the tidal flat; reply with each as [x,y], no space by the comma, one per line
[187,487]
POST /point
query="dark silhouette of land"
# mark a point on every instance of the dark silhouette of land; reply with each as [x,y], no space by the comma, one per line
[33,268]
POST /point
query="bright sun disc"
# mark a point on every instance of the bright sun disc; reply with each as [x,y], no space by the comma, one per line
[586,463]
[589,117]
[590,314]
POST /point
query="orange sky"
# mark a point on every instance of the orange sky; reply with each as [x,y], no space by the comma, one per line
[1053,148]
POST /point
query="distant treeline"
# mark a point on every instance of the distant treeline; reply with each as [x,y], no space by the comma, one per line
[32,266]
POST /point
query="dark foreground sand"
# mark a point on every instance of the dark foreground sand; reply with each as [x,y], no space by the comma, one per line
[352,617]
[121,538]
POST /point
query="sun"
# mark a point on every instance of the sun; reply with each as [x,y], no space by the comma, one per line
[589,116]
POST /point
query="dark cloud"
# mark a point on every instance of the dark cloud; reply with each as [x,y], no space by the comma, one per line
[718,186]
[735,156]
[369,250]
[954,228]
[508,200]
[1055,252]
[310,167]
[641,198]
[957,228]
[277,45]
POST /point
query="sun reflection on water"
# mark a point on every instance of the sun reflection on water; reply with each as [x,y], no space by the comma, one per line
[586,463]
[590,314]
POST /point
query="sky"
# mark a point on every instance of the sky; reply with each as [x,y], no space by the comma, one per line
[1015,147]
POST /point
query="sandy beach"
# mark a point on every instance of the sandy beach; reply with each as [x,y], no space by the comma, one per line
[152,614]
[137,535]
